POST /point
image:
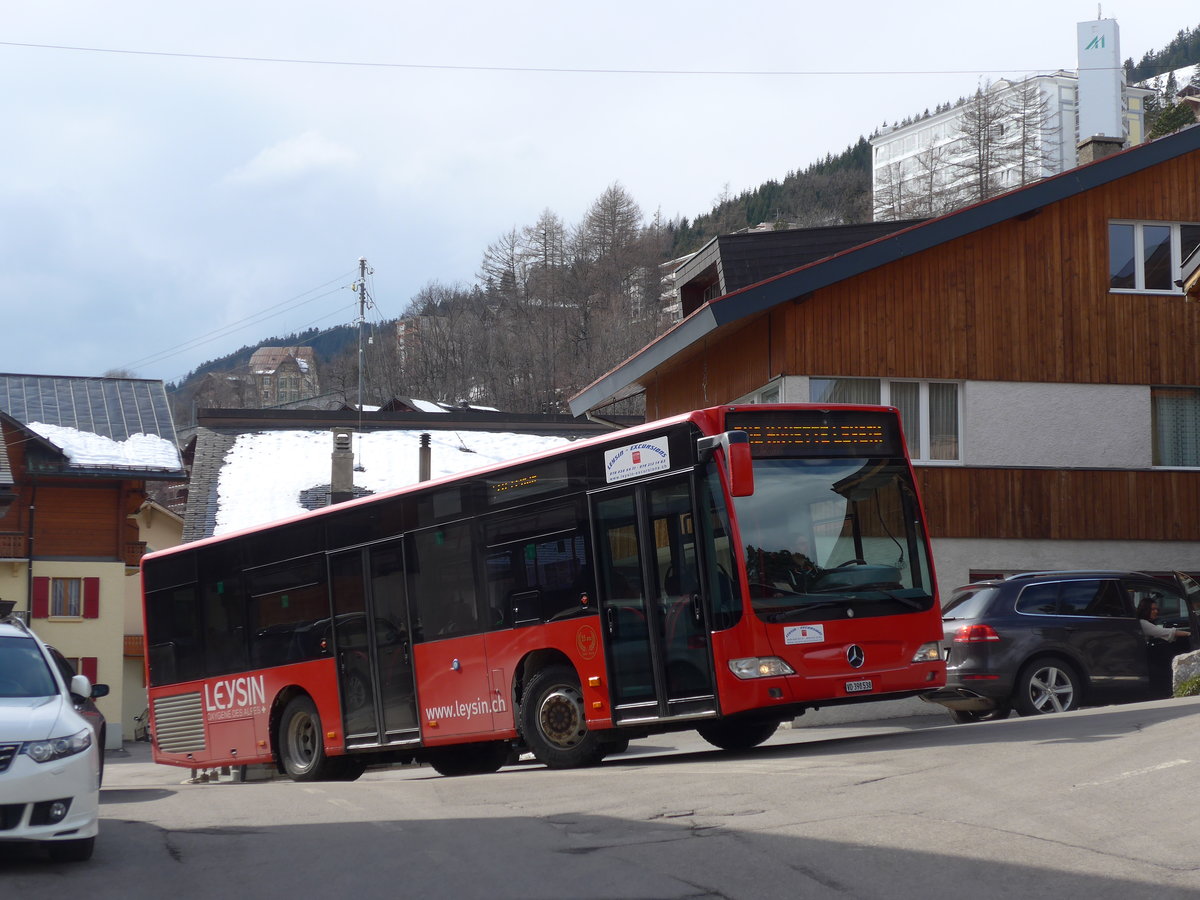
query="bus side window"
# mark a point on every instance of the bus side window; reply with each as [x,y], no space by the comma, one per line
[442,582]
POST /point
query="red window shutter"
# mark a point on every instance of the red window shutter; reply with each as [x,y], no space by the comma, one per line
[87,667]
[41,598]
[91,598]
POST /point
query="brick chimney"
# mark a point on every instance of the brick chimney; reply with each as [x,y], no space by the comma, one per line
[1097,147]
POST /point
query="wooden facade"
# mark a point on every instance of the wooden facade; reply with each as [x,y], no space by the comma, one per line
[68,518]
[1025,299]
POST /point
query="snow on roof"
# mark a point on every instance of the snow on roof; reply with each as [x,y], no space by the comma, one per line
[264,474]
[83,448]
[426,406]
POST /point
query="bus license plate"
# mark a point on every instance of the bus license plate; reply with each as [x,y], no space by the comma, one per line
[854,687]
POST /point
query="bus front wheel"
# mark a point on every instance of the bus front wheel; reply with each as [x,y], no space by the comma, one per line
[730,734]
[553,721]
[301,745]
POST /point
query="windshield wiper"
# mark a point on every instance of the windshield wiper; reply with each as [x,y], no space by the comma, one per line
[801,612]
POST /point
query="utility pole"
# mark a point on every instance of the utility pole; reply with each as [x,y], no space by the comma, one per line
[363,300]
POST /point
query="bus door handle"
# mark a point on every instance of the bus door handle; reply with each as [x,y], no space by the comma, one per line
[696,611]
[610,616]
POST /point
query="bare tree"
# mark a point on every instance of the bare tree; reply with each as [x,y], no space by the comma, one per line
[1031,132]
[983,143]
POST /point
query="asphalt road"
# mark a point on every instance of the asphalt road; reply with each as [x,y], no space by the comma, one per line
[1094,804]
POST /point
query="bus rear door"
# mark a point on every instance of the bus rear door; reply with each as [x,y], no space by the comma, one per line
[374,649]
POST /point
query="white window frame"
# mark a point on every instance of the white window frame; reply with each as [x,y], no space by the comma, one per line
[1139,256]
[923,425]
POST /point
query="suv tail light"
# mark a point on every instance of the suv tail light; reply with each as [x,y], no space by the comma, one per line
[971,634]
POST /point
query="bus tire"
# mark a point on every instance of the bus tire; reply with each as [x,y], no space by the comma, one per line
[732,734]
[301,744]
[470,759]
[553,721]
[613,747]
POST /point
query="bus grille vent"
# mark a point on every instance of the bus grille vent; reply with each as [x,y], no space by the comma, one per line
[179,723]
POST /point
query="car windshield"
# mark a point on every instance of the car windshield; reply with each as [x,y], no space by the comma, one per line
[23,669]
[831,538]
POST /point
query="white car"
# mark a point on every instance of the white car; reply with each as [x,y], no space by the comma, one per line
[49,755]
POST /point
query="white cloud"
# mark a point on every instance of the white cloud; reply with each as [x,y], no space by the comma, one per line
[290,159]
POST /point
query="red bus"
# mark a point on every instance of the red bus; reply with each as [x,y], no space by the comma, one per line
[722,571]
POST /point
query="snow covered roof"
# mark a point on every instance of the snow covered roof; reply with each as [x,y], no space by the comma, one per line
[264,474]
[121,426]
[82,448]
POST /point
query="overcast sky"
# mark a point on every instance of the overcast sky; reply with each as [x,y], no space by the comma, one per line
[194,193]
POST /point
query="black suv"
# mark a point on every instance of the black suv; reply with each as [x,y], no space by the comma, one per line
[1046,642]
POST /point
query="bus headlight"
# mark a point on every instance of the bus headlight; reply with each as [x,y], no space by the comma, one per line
[760,667]
[931,652]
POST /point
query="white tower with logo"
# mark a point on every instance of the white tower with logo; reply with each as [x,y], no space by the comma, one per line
[1101,80]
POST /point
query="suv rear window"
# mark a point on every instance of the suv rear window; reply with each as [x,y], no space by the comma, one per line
[969,604]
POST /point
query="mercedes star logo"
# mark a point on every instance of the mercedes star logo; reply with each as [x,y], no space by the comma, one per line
[855,656]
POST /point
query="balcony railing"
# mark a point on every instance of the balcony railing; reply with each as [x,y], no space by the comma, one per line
[134,551]
[12,545]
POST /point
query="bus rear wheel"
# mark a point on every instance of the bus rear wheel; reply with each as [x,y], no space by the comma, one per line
[553,721]
[731,734]
[302,747]
[470,759]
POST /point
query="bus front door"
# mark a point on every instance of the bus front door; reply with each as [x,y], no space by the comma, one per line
[374,650]
[652,605]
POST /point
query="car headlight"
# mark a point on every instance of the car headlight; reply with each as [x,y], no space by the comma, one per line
[58,748]
[760,667]
[930,652]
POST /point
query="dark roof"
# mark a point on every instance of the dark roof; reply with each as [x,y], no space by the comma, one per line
[624,380]
[115,408]
[745,258]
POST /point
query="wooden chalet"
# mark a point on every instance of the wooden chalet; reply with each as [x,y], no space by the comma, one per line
[1041,347]
[75,462]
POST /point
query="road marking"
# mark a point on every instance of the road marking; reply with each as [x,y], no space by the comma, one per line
[1146,771]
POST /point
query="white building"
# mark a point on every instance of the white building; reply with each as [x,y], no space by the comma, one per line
[917,168]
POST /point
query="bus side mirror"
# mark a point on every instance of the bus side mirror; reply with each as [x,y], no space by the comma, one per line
[738,464]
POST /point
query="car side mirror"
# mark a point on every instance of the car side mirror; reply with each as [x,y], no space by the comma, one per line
[99,690]
[80,686]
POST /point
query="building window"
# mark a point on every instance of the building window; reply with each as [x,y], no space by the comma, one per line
[1175,418]
[1147,256]
[66,597]
[929,410]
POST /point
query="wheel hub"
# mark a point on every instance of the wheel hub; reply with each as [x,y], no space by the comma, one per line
[561,717]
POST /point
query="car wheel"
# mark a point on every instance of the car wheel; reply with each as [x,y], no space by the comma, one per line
[72,851]
[1046,685]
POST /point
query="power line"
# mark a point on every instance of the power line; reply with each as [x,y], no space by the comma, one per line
[553,70]
[252,319]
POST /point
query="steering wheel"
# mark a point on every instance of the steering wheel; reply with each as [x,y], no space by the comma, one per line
[851,562]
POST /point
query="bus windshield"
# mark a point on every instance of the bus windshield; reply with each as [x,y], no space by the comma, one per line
[834,538]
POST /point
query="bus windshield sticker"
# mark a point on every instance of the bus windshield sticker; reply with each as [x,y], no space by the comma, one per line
[642,458]
[804,634]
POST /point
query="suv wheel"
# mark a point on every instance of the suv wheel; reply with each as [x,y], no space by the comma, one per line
[1046,685]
